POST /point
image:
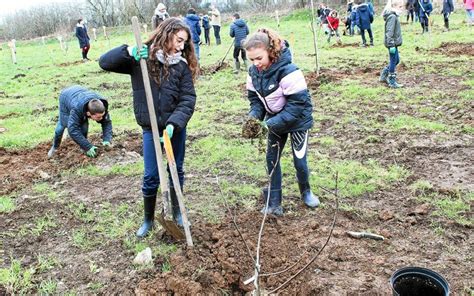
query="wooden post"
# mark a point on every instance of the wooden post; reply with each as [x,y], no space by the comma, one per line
[94,32]
[42,40]
[60,38]
[145,26]
[105,32]
[315,43]
[277,19]
[12,45]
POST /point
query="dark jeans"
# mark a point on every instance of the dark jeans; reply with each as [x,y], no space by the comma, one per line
[217,34]
[62,125]
[394,60]
[446,20]
[424,23]
[196,50]
[362,33]
[411,13]
[237,50]
[275,144]
[151,179]
[207,40]
[85,50]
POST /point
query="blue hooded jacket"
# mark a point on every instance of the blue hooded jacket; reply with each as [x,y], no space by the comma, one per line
[296,114]
[365,17]
[239,31]
[425,9]
[73,114]
[192,21]
[82,36]
[205,22]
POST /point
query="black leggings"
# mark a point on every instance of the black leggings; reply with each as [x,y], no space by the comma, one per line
[237,50]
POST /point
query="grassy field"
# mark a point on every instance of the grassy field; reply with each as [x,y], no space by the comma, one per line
[403,157]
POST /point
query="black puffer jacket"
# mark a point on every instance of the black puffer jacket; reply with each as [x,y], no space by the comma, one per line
[174,100]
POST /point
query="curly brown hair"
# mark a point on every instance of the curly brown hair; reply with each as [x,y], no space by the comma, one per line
[161,37]
[267,39]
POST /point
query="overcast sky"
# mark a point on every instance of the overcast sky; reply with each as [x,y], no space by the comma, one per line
[12,5]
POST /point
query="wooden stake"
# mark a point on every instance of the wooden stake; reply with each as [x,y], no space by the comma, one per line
[315,43]
[145,26]
[12,45]
[94,32]
[277,19]
[105,32]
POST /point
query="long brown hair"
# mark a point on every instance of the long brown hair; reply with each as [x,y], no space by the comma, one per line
[159,39]
[267,39]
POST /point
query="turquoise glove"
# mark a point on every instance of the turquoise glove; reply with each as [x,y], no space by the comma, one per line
[92,152]
[169,130]
[140,54]
[106,143]
[392,50]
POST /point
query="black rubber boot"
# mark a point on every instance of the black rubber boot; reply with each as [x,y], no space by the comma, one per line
[307,196]
[175,207]
[274,204]
[149,202]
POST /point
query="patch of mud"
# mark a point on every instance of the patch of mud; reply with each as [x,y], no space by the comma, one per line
[212,69]
[344,45]
[220,261]
[455,48]
[325,76]
[66,64]
[19,76]
[20,168]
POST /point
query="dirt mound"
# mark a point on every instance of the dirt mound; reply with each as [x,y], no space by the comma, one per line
[220,260]
[456,48]
[19,168]
[212,69]
[325,76]
[343,45]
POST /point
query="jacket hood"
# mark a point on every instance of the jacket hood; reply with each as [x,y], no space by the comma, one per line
[239,22]
[192,17]
[363,7]
[387,13]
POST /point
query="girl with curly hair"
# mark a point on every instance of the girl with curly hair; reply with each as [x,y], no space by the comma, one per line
[279,98]
[173,67]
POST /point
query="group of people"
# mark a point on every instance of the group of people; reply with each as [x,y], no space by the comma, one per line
[276,89]
[277,92]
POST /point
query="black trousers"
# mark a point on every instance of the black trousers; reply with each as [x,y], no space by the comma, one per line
[237,50]
[207,40]
[217,34]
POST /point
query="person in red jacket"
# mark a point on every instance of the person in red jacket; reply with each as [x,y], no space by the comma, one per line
[333,24]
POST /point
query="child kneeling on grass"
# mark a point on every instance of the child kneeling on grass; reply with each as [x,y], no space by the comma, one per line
[392,40]
[279,98]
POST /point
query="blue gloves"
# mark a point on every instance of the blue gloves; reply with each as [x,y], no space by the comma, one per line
[169,131]
[392,50]
[92,152]
[140,54]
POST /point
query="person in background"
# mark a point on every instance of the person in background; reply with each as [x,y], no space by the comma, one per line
[192,20]
[392,41]
[424,14]
[76,105]
[347,23]
[365,20]
[206,26]
[83,37]
[448,8]
[354,20]
[333,23]
[410,7]
[239,31]
[469,6]
[280,99]
[173,68]
[159,15]
[216,23]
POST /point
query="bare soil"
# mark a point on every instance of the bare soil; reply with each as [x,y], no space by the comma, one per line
[455,49]
[220,262]
[212,69]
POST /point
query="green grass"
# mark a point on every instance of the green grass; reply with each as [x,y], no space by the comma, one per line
[412,124]
[7,204]
[16,279]
[42,224]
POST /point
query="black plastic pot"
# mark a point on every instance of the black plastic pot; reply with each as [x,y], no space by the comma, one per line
[418,281]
